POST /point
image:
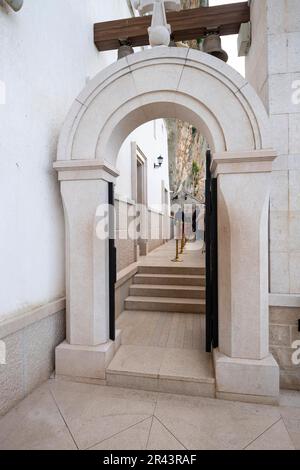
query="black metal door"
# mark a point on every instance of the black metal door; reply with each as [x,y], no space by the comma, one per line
[112,263]
[211,262]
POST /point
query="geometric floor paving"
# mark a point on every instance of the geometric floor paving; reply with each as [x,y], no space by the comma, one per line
[66,415]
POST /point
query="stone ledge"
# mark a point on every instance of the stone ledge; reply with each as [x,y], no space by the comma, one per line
[256,399]
[125,200]
[284,300]
[15,323]
[125,274]
[155,211]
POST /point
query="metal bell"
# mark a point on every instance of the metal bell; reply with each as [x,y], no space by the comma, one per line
[172,42]
[125,49]
[212,45]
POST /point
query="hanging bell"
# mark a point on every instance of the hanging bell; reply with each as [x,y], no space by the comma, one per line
[172,42]
[212,45]
[125,49]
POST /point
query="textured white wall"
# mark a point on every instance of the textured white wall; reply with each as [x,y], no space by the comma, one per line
[47,54]
[152,139]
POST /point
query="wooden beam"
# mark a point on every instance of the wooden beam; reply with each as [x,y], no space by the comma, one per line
[186,25]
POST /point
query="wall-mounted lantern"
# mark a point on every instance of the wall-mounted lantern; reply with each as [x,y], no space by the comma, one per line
[159,162]
[16,5]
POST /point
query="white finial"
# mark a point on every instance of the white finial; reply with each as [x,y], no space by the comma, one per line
[160,30]
[146,6]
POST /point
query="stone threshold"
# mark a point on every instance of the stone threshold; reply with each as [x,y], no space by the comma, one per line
[169,370]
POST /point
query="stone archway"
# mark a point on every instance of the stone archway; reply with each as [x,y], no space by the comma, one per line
[194,87]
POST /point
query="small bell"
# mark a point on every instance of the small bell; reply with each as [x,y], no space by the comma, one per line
[172,42]
[125,49]
[212,45]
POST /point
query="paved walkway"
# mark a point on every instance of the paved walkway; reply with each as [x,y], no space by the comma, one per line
[163,256]
[66,415]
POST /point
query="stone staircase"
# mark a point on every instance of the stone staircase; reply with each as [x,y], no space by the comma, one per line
[172,295]
[168,289]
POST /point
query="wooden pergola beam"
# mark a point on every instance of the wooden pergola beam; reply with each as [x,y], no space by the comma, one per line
[186,25]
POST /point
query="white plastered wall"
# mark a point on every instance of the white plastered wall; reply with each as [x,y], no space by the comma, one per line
[47,56]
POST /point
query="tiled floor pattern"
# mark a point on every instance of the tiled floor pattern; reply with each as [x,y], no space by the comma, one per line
[66,415]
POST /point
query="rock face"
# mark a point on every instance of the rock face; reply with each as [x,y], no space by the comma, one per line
[187,147]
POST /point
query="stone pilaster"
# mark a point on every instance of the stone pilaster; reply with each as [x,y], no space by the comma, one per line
[243,363]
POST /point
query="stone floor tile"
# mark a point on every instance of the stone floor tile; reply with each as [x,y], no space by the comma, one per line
[291,418]
[161,439]
[94,413]
[185,364]
[136,360]
[290,398]
[35,424]
[275,438]
[134,438]
[208,424]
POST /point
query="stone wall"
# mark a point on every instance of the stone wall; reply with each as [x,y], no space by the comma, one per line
[30,346]
[283,332]
[155,229]
[273,69]
[126,248]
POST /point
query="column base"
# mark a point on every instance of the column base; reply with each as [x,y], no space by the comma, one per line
[253,381]
[85,363]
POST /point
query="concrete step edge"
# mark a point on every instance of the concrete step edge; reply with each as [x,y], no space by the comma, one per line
[166,300]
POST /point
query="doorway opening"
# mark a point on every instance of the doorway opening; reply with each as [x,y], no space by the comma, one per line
[162,317]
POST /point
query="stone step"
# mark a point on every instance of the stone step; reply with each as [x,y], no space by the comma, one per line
[176,269]
[151,290]
[167,370]
[170,279]
[165,304]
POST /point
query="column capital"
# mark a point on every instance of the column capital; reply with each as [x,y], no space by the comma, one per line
[70,170]
[255,161]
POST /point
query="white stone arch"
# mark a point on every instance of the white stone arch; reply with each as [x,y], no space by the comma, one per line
[194,87]
[164,82]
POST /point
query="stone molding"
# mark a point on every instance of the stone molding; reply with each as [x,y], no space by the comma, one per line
[72,170]
[125,199]
[258,161]
[155,211]
[17,322]
[284,300]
